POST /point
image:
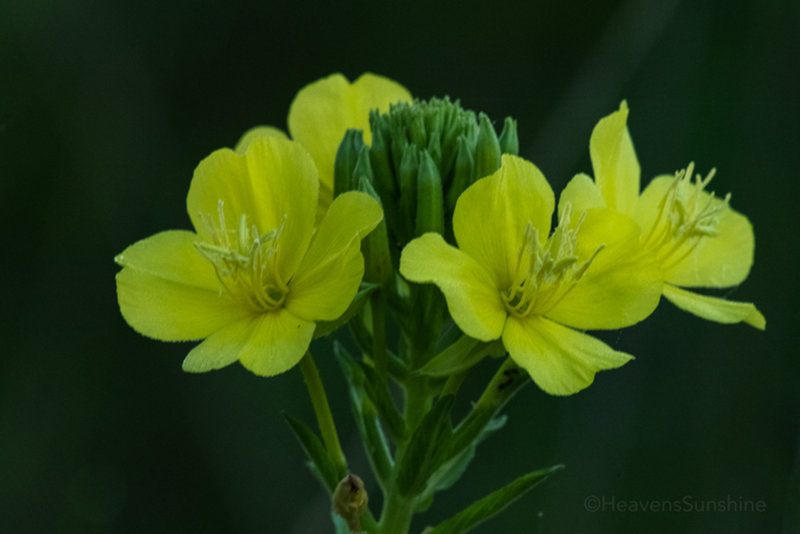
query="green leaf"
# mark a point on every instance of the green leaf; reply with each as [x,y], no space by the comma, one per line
[449,473]
[493,504]
[378,393]
[326,327]
[319,462]
[427,449]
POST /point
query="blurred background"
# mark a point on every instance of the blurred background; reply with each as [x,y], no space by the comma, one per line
[106,108]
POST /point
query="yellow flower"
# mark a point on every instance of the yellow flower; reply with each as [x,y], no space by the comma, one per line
[508,279]
[256,275]
[697,238]
[321,113]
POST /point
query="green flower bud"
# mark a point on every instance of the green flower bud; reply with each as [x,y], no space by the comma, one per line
[430,210]
[463,173]
[407,179]
[375,247]
[435,148]
[362,168]
[509,142]
[381,165]
[350,501]
[487,151]
[345,162]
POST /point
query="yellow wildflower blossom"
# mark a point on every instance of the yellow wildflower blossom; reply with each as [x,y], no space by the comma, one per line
[323,110]
[255,275]
[696,237]
[508,279]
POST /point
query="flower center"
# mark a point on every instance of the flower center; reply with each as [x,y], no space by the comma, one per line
[246,261]
[546,273]
[685,216]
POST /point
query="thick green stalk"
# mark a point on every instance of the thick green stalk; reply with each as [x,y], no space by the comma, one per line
[396,515]
[323,412]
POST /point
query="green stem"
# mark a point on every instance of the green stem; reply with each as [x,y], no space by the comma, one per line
[453,383]
[323,412]
[379,355]
[508,379]
[396,515]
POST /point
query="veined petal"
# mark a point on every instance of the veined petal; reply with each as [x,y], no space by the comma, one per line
[582,194]
[491,215]
[168,291]
[266,344]
[722,260]
[472,296]
[623,283]
[560,360]
[715,309]
[328,277]
[616,168]
[274,184]
[255,133]
[323,110]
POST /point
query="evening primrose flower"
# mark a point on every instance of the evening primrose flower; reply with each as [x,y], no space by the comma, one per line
[696,237]
[321,113]
[255,275]
[507,279]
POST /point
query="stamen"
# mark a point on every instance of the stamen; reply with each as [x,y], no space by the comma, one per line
[249,269]
[545,274]
[684,217]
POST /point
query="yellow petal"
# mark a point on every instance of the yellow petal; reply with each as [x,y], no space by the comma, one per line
[491,215]
[582,194]
[255,133]
[274,184]
[266,344]
[472,297]
[715,309]
[623,283]
[560,360]
[167,290]
[328,277]
[722,260]
[323,110]
[616,168]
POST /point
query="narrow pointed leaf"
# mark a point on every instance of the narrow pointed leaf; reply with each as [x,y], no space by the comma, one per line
[428,448]
[492,504]
[319,461]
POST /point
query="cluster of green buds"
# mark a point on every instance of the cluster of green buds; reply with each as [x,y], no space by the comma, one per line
[423,156]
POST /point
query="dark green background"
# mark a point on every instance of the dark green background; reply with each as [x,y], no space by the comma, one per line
[105,109]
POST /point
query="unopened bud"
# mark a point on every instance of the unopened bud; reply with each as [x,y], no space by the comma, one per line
[509,142]
[345,162]
[487,151]
[375,247]
[362,168]
[407,178]
[463,172]
[350,501]
[381,167]
[430,210]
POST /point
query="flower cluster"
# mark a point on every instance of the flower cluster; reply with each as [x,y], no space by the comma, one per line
[382,212]
[273,252]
